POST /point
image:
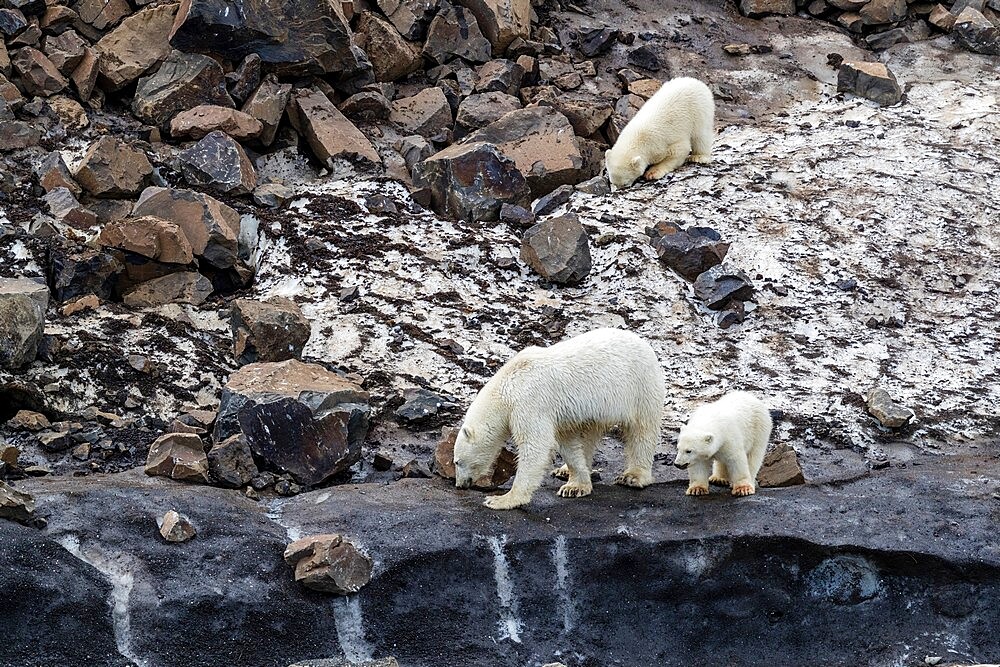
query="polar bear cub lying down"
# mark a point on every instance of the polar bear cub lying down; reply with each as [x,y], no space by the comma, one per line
[565,397]
[728,439]
[674,123]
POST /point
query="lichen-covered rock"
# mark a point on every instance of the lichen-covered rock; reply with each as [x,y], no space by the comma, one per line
[180,456]
[328,563]
[558,249]
[23,303]
[218,162]
[873,81]
[272,330]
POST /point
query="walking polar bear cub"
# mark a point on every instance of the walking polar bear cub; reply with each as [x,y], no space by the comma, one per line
[565,397]
[728,439]
[674,123]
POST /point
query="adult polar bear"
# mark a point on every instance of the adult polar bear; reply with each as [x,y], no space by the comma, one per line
[565,397]
[674,123]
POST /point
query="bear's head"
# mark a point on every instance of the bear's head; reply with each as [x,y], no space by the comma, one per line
[476,450]
[623,169]
[695,446]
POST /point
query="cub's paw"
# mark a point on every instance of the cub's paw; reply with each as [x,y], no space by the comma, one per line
[561,472]
[655,173]
[504,502]
[697,490]
[701,159]
[634,479]
[721,481]
[744,490]
[570,490]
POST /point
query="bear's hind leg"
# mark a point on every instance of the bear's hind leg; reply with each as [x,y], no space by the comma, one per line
[676,156]
[535,446]
[719,474]
[640,447]
[739,469]
[701,145]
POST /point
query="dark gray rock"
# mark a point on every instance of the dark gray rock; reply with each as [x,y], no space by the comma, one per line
[558,249]
[595,41]
[75,273]
[230,463]
[454,33]
[219,163]
[23,303]
[645,57]
[183,81]
[976,32]
[722,284]
[421,405]
[691,252]
[272,330]
[871,80]
[517,215]
[553,200]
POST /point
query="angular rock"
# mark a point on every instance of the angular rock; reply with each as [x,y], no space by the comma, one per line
[272,330]
[370,106]
[415,470]
[245,79]
[976,32]
[427,113]
[230,463]
[471,181]
[65,208]
[421,404]
[888,412]
[58,19]
[38,75]
[328,563]
[542,144]
[758,8]
[23,303]
[598,185]
[300,418]
[112,169]
[454,33]
[174,527]
[27,420]
[69,112]
[183,81]
[102,14]
[691,252]
[84,77]
[212,228]
[414,149]
[392,57]
[179,456]
[501,21]
[722,284]
[65,51]
[149,236]
[131,49]
[444,462]
[516,215]
[328,132]
[218,162]
[181,287]
[16,505]
[206,118]
[410,17]
[870,80]
[553,200]
[780,468]
[500,76]
[558,249]
[479,110]
[595,41]
[16,134]
[267,105]
[587,114]
[941,18]
[75,274]
[12,21]
[645,57]
[272,195]
[385,662]
[879,12]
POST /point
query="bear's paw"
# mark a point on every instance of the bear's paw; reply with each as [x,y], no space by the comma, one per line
[570,490]
[744,490]
[636,480]
[562,472]
[721,481]
[697,490]
[505,502]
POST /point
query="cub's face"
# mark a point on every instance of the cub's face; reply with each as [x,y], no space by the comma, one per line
[694,446]
[473,456]
[622,170]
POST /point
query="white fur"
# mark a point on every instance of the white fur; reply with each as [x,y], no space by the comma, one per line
[674,123]
[727,438]
[565,397]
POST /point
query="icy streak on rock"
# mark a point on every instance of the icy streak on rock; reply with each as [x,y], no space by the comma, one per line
[350,624]
[510,623]
[118,570]
[276,513]
[560,558]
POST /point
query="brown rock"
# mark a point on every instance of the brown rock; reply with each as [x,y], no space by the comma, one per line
[502,21]
[39,75]
[941,18]
[84,77]
[112,169]
[218,162]
[392,57]
[16,505]
[267,104]
[182,287]
[427,113]
[231,463]
[197,122]
[66,209]
[150,237]
[976,32]
[328,563]
[444,462]
[81,305]
[131,49]
[65,51]
[328,132]
[180,456]
[52,173]
[852,21]
[558,249]
[211,227]
[888,412]
[454,33]
[410,17]
[871,80]
[69,112]
[175,528]
[102,14]
[878,12]
[272,330]
[27,420]
[480,110]
[183,81]
[757,8]
[501,76]
[780,468]
[16,134]
[57,19]
[370,106]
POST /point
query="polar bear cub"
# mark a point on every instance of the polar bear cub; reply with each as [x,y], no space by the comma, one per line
[674,123]
[565,397]
[728,439]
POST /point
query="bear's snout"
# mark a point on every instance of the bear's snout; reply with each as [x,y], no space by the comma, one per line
[682,466]
[463,483]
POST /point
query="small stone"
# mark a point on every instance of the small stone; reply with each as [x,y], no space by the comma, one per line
[65,51]
[444,462]
[516,215]
[415,470]
[52,173]
[410,17]
[180,456]
[83,304]
[82,452]
[219,162]
[130,50]
[392,57]
[272,330]
[54,441]
[499,76]
[37,471]
[558,249]
[206,118]
[780,468]
[149,236]
[870,80]
[37,73]
[721,284]
[175,528]
[273,195]
[758,8]
[245,79]
[65,208]
[691,252]
[880,12]
[370,106]
[889,413]
[481,109]
[598,185]
[553,200]
[27,420]
[595,41]
[941,18]
[16,505]
[328,563]
[645,57]
[421,404]
[286,487]
[381,462]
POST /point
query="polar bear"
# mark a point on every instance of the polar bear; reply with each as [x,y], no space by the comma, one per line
[674,123]
[565,397]
[727,438]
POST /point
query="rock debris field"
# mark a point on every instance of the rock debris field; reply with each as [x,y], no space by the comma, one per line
[252,274]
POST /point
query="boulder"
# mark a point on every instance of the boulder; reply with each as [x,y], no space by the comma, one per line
[84,77]
[267,104]
[23,303]
[392,57]
[65,208]
[410,17]
[427,113]
[78,273]
[888,412]
[691,252]
[879,12]
[370,106]
[471,181]
[102,14]
[52,173]
[870,80]
[16,505]
[329,133]
[444,462]
[230,463]
[212,228]
[179,456]
[65,51]
[27,420]
[329,563]
[149,236]
[38,75]
[542,144]
[174,527]
[941,18]
[131,49]
[180,287]
[501,21]
[976,32]
[558,249]
[183,81]
[300,418]
[721,284]
[272,330]
[207,118]
[780,468]
[293,37]
[111,168]
[420,405]
[758,8]
[481,109]
[454,33]
[219,163]
[500,76]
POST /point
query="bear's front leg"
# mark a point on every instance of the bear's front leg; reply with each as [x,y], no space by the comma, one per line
[739,471]
[698,473]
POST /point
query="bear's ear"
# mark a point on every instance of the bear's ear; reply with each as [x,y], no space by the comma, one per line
[467,433]
[709,438]
[636,161]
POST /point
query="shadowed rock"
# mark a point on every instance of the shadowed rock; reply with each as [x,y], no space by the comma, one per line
[219,162]
[722,284]
[272,330]
[211,227]
[870,80]
[183,81]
